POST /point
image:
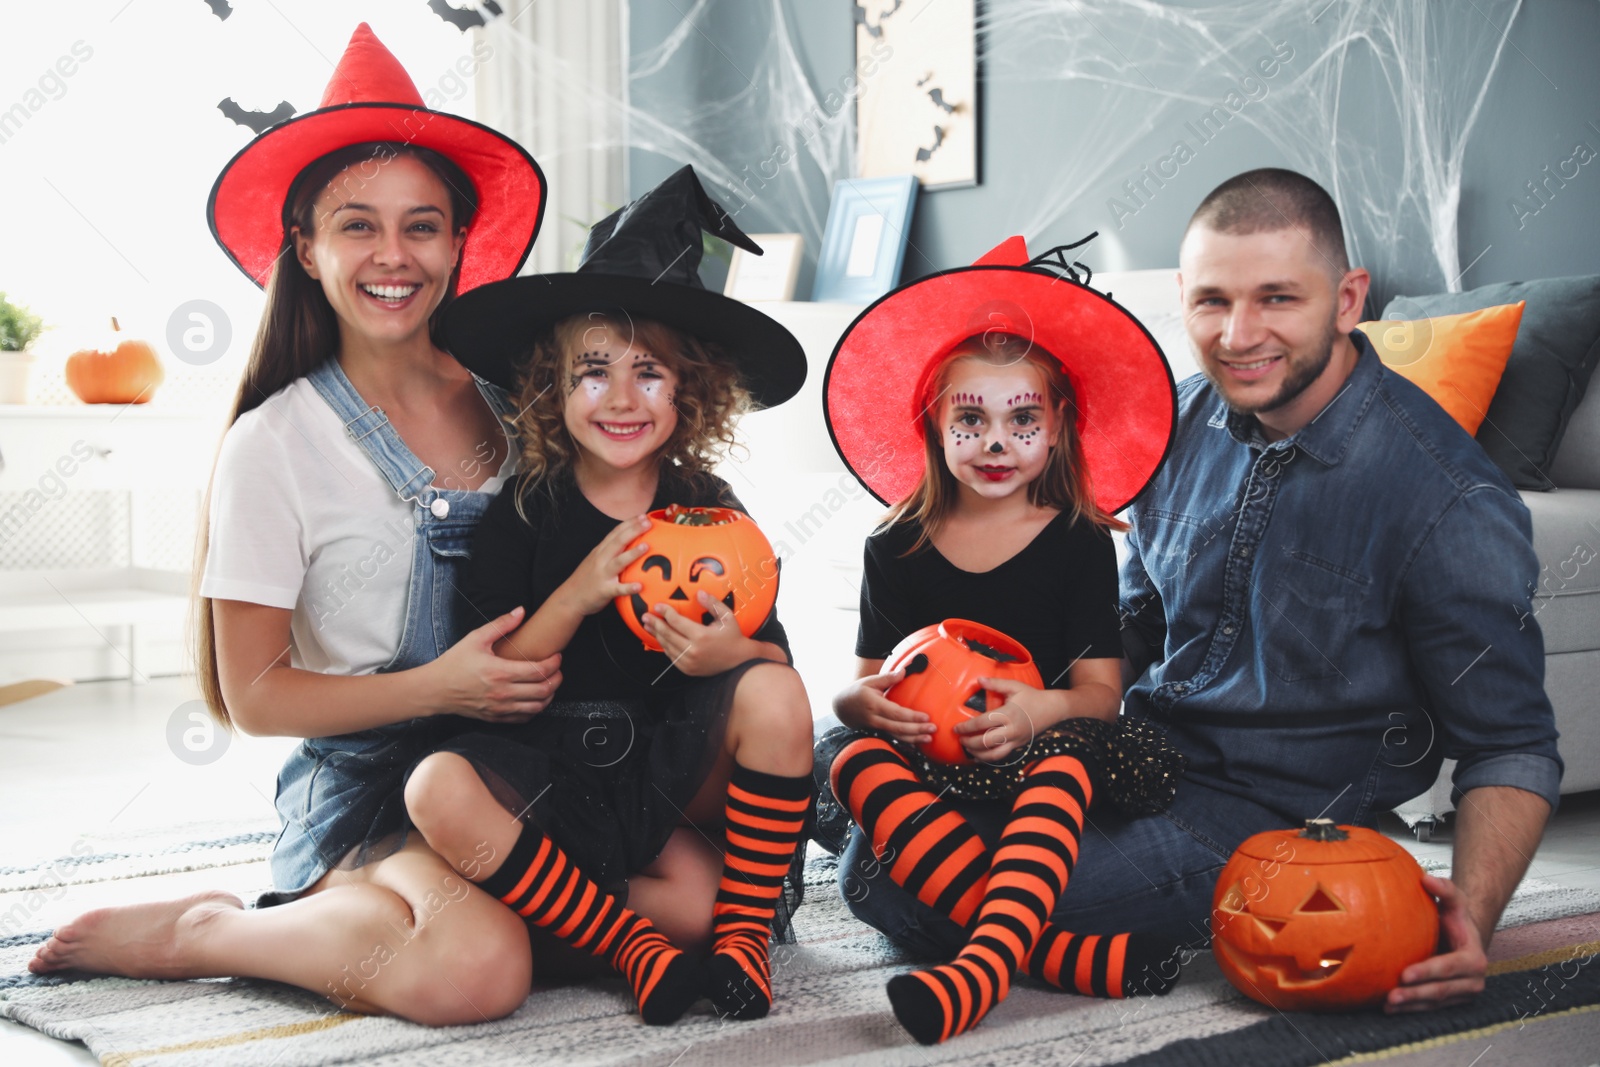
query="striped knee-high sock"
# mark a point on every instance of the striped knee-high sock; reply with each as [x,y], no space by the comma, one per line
[541,884]
[1031,866]
[930,850]
[766,814]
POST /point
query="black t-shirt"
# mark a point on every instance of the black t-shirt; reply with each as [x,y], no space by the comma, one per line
[522,562]
[1058,596]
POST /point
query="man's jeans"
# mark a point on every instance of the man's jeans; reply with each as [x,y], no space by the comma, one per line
[1154,873]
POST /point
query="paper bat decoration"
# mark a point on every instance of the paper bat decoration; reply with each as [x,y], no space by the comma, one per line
[936,94]
[860,14]
[925,154]
[220,8]
[256,121]
[464,19]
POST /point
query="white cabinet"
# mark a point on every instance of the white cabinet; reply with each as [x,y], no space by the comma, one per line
[98,515]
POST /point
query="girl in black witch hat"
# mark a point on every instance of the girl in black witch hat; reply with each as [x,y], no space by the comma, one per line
[636,378]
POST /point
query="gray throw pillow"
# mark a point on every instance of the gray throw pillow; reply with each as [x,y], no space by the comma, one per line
[1558,345]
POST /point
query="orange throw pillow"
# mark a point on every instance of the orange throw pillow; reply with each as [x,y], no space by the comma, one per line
[1456,359]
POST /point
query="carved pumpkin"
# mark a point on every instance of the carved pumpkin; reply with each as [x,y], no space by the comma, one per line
[126,371]
[693,550]
[1321,919]
[943,664]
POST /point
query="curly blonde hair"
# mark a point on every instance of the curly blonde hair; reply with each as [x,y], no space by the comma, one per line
[709,398]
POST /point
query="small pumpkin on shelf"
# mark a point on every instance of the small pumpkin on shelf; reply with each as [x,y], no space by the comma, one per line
[125,371]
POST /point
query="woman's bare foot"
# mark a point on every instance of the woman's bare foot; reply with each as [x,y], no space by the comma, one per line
[136,940]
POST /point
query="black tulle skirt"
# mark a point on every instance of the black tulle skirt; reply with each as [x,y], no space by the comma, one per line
[1129,761]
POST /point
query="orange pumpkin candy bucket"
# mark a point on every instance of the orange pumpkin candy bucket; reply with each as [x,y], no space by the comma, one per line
[943,664]
[720,551]
[1321,919]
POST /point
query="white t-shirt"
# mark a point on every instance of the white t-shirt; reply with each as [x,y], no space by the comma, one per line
[301,519]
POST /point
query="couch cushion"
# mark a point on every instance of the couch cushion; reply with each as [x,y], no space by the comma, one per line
[1458,360]
[1557,348]
[1578,460]
[1566,537]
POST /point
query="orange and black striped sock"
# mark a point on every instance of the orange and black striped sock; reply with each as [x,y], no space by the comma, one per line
[930,849]
[539,882]
[1031,866]
[766,815]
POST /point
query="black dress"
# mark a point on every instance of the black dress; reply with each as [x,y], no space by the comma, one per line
[608,767]
[1058,598]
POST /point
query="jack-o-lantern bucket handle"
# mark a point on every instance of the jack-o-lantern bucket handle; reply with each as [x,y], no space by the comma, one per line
[985,641]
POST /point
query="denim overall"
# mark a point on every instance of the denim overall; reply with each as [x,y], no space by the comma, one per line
[338,793]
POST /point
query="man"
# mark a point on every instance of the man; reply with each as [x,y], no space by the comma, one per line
[1326,594]
[1329,579]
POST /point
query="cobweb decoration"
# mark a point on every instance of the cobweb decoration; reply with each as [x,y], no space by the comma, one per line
[1421,71]
[778,146]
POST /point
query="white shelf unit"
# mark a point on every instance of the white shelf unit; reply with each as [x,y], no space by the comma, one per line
[98,514]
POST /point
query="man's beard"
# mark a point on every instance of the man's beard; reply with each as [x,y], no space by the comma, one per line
[1296,381]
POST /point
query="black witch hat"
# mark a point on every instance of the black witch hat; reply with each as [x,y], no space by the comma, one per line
[640,262]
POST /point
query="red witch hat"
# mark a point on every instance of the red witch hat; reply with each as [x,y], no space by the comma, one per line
[372,98]
[873,395]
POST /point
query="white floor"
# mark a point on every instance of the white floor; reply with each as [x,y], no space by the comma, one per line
[109,757]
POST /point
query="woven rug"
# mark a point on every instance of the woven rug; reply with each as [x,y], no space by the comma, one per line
[831,1007]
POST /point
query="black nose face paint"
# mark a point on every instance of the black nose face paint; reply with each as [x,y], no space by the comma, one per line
[996,447]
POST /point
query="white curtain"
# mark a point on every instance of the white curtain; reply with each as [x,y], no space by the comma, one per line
[556,83]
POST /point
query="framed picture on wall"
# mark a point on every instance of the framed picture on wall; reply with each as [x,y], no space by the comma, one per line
[769,276]
[864,245]
[917,110]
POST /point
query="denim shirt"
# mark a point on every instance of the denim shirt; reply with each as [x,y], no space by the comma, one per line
[1333,614]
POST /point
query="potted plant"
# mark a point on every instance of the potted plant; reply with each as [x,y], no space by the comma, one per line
[18,329]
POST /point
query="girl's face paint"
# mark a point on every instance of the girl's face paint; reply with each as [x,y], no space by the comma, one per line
[997,427]
[619,406]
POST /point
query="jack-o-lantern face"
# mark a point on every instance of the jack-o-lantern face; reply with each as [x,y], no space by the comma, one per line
[943,664]
[1323,919]
[718,551]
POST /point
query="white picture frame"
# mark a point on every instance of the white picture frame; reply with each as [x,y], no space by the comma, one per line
[770,276]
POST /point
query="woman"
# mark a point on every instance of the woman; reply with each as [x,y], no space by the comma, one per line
[343,502]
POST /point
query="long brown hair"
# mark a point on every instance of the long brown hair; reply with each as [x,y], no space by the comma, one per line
[708,399]
[299,330]
[1064,483]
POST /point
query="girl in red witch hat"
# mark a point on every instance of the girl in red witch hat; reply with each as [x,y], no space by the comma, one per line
[357,463]
[1006,411]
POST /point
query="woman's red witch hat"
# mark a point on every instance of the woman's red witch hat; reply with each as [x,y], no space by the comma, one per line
[372,98]
[873,395]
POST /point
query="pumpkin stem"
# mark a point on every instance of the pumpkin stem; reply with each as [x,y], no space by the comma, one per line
[1323,830]
[114,327]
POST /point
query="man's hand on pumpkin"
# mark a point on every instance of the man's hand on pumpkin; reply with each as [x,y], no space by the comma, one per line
[1456,974]
[701,650]
[991,736]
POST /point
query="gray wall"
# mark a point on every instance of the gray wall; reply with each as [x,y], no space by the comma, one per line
[1543,100]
